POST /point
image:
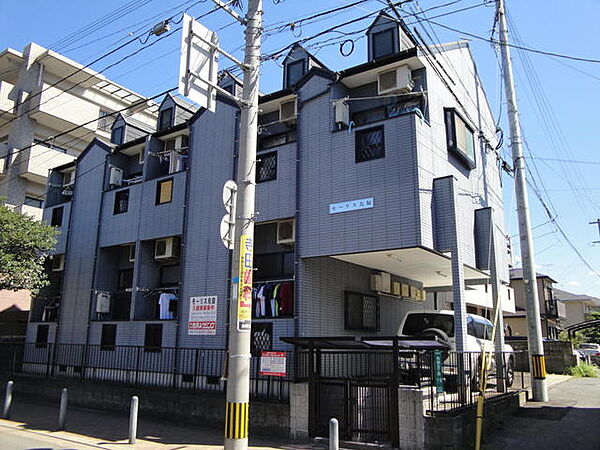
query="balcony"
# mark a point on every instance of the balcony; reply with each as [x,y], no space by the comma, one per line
[38,159]
[44,309]
[552,307]
[60,110]
[7,105]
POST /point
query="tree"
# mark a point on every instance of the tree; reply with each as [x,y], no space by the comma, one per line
[592,334]
[24,244]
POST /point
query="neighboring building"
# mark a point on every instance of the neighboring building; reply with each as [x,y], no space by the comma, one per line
[371,182]
[577,306]
[44,94]
[552,312]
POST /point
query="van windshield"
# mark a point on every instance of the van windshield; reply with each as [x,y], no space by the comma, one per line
[416,323]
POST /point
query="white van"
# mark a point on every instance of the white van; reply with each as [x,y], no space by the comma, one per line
[441,325]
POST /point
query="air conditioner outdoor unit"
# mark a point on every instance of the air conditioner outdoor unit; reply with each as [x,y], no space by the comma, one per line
[398,80]
[165,249]
[286,231]
[131,252]
[287,111]
[342,112]
[58,263]
[381,282]
[116,176]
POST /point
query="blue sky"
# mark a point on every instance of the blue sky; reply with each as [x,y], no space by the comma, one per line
[558,98]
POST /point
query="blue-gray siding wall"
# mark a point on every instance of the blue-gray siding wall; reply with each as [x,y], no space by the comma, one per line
[329,174]
[276,199]
[158,221]
[118,229]
[79,264]
[63,230]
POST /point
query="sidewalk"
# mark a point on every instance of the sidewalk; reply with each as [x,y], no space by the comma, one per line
[34,426]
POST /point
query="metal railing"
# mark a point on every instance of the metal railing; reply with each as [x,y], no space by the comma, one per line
[184,369]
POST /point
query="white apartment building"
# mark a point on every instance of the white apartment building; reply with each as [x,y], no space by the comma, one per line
[45,95]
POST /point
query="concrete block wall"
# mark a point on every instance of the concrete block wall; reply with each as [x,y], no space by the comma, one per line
[411,420]
[299,410]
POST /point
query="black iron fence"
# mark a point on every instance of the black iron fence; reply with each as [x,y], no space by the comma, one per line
[191,369]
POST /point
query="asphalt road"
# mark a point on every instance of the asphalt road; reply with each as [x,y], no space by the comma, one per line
[570,420]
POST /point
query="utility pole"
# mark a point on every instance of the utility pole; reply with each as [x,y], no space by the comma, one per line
[534,330]
[238,376]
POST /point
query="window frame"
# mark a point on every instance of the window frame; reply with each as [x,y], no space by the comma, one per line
[260,163]
[358,153]
[381,33]
[450,115]
[42,337]
[111,337]
[159,185]
[39,203]
[161,120]
[113,133]
[116,206]
[54,221]
[363,326]
[298,63]
[148,334]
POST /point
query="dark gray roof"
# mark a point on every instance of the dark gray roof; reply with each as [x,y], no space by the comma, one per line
[565,296]
[138,124]
[184,104]
[517,274]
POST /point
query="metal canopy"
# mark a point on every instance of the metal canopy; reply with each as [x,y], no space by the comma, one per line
[375,342]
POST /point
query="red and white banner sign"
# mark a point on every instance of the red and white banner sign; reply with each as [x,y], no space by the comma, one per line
[272,363]
[203,315]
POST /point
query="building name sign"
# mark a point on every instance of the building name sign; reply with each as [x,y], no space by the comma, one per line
[352,205]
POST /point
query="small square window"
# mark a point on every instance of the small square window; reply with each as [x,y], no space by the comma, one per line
[32,201]
[121,201]
[116,136]
[361,312]
[108,339]
[266,168]
[164,191]
[383,44]
[153,337]
[57,217]
[41,337]
[370,144]
[165,119]
[294,71]
[460,139]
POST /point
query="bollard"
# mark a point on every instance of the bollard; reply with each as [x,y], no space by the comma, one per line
[7,400]
[133,418]
[62,414]
[334,441]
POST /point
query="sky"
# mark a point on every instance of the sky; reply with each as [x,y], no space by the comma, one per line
[558,98]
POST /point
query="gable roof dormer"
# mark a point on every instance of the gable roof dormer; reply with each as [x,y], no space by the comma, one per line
[230,83]
[126,128]
[387,36]
[297,63]
[173,111]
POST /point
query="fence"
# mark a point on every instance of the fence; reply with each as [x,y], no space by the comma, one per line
[190,369]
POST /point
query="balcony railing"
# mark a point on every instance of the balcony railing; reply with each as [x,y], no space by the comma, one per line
[551,308]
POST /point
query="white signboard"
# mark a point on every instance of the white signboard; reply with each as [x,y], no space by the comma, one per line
[203,315]
[198,63]
[351,205]
[272,363]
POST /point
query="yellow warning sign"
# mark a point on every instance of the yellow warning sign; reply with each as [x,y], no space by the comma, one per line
[244,312]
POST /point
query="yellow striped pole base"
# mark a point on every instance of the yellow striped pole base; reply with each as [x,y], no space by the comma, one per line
[236,421]
[539,367]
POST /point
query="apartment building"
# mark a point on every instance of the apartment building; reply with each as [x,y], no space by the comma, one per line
[44,94]
[552,312]
[378,188]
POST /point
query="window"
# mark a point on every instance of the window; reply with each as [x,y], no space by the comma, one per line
[125,279]
[57,217]
[116,136]
[108,338]
[266,167]
[41,338]
[270,266]
[32,201]
[383,43]
[294,71]
[169,275]
[459,137]
[164,191]
[361,312]
[165,119]
[153,337]
[105,121]
[261,338]
[121,201]
[369,144]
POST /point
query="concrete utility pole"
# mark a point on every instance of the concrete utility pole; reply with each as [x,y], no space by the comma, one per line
[236,416]
[534,330]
